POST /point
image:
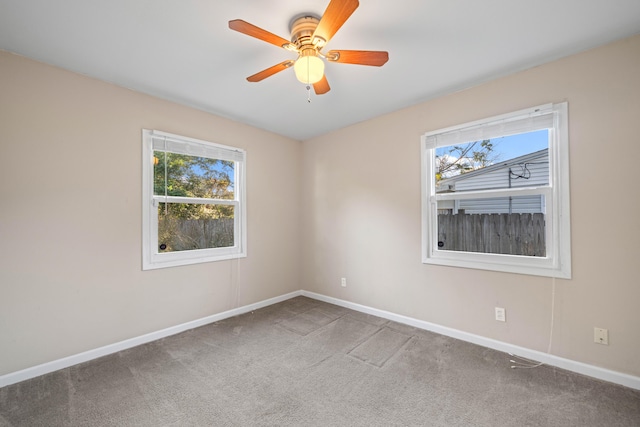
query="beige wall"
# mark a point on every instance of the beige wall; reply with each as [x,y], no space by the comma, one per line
[70,217]
[361,215]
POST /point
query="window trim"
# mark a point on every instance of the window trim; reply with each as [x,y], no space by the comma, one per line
[557,262]
[151,258]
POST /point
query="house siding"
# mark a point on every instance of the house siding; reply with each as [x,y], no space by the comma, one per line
[523,204]
[535,174]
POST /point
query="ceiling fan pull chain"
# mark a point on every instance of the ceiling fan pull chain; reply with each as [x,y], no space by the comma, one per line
[309,94]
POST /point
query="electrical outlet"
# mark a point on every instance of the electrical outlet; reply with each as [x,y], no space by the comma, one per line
[343,282]
[601,336]
[501,314]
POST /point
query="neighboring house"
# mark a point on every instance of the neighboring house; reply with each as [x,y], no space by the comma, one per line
[529,170]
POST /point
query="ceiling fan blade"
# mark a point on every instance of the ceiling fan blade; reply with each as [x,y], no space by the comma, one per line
[336,14]
[361,57]
[257,32]
[322,86]
[270,71]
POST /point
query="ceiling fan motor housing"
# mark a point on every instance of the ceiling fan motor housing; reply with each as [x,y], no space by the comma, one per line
[302,29]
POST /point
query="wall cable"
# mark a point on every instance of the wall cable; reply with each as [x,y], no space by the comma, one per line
[519,362]
[237,282]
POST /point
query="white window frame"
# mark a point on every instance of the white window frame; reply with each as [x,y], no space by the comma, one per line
[151,257]
[557,262]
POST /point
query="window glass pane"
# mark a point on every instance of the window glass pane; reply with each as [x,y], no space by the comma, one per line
[191,176]
[487,226]
[492,199]
[183,226]
[520,160]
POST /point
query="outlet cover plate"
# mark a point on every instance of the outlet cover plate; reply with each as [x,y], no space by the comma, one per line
[601,336]
[501,314]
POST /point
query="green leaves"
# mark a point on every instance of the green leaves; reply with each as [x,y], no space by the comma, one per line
[182,175]
[191,226]
[459,159]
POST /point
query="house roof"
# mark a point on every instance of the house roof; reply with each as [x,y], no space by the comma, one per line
[527,158]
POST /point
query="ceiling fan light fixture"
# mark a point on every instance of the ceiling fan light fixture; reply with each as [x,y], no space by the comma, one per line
[309,69]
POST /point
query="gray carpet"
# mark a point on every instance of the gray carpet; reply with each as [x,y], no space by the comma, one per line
[307,363]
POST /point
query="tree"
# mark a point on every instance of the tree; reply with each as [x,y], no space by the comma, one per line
[459,159]
[187,226]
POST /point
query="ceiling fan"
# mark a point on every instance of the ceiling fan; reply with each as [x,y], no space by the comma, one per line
[309,34]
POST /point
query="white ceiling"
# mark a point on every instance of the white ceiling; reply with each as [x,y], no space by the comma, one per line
[183,50]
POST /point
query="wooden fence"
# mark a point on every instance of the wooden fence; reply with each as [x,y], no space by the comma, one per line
[180,235]
[514,234]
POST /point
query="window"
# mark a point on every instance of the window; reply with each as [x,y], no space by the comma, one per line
[496,193]
[193,201]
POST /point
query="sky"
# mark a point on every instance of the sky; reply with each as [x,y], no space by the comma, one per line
[509,147]
[517,145]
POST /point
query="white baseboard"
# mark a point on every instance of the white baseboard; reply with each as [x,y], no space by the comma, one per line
[55,365]
[548,359]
